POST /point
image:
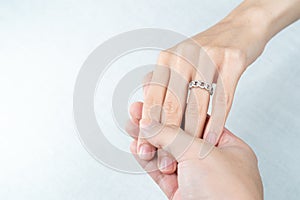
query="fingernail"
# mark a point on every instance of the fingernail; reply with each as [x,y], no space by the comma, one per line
[146,152]
[165,163]
[211,138]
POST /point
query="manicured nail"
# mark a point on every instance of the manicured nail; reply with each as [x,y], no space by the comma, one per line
[211,138]
[165,163]
[146,152]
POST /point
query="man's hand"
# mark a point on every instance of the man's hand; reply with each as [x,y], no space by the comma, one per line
[229,171]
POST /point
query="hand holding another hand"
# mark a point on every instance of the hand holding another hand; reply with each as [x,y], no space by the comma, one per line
[229,171]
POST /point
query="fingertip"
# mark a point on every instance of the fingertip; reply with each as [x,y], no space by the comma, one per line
[146,151]
[228,138]
[133,146]
[211,138]
[135,110]
[167,165]
[132,128]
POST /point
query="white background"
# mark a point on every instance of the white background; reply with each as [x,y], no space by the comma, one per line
[42,47]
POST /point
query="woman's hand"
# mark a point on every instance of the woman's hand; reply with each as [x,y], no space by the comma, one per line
[218,55]
[229,172]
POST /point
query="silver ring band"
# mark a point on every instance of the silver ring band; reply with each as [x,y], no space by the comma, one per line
[202,85]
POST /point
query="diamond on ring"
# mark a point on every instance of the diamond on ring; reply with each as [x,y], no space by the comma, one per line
[202,85]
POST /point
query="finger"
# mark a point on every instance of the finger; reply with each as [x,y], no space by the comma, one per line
[175,99]
[229,139]
[156,89]
[221,105]
[146,82]
[135,111]
[198,99]
[166,162]
[154,98]
[167,182]
[132,129]
[174,105]
[173,108]
[196,111]
[172,139]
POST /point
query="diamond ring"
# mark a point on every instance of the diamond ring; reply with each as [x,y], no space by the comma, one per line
[202,85]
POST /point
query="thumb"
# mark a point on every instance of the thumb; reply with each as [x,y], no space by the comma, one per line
[170,138]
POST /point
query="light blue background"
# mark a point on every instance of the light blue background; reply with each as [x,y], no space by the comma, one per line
[42,47]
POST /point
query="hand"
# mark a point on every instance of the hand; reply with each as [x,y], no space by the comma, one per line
[229,172]
[218,55]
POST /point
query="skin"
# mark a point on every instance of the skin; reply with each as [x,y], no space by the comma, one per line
[229,171]
[218,55]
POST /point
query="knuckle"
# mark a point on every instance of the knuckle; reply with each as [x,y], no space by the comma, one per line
[234,53]
[170,107]
[164,57]
[194,109]
[234,57]
[211,51]
[206,50]
[227,57]
[184,52]
[150,101]
[152,108]
[147,78]
[186,47]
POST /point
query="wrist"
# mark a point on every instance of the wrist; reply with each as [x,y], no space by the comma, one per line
[255,20]
[253,31]
[266,18]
